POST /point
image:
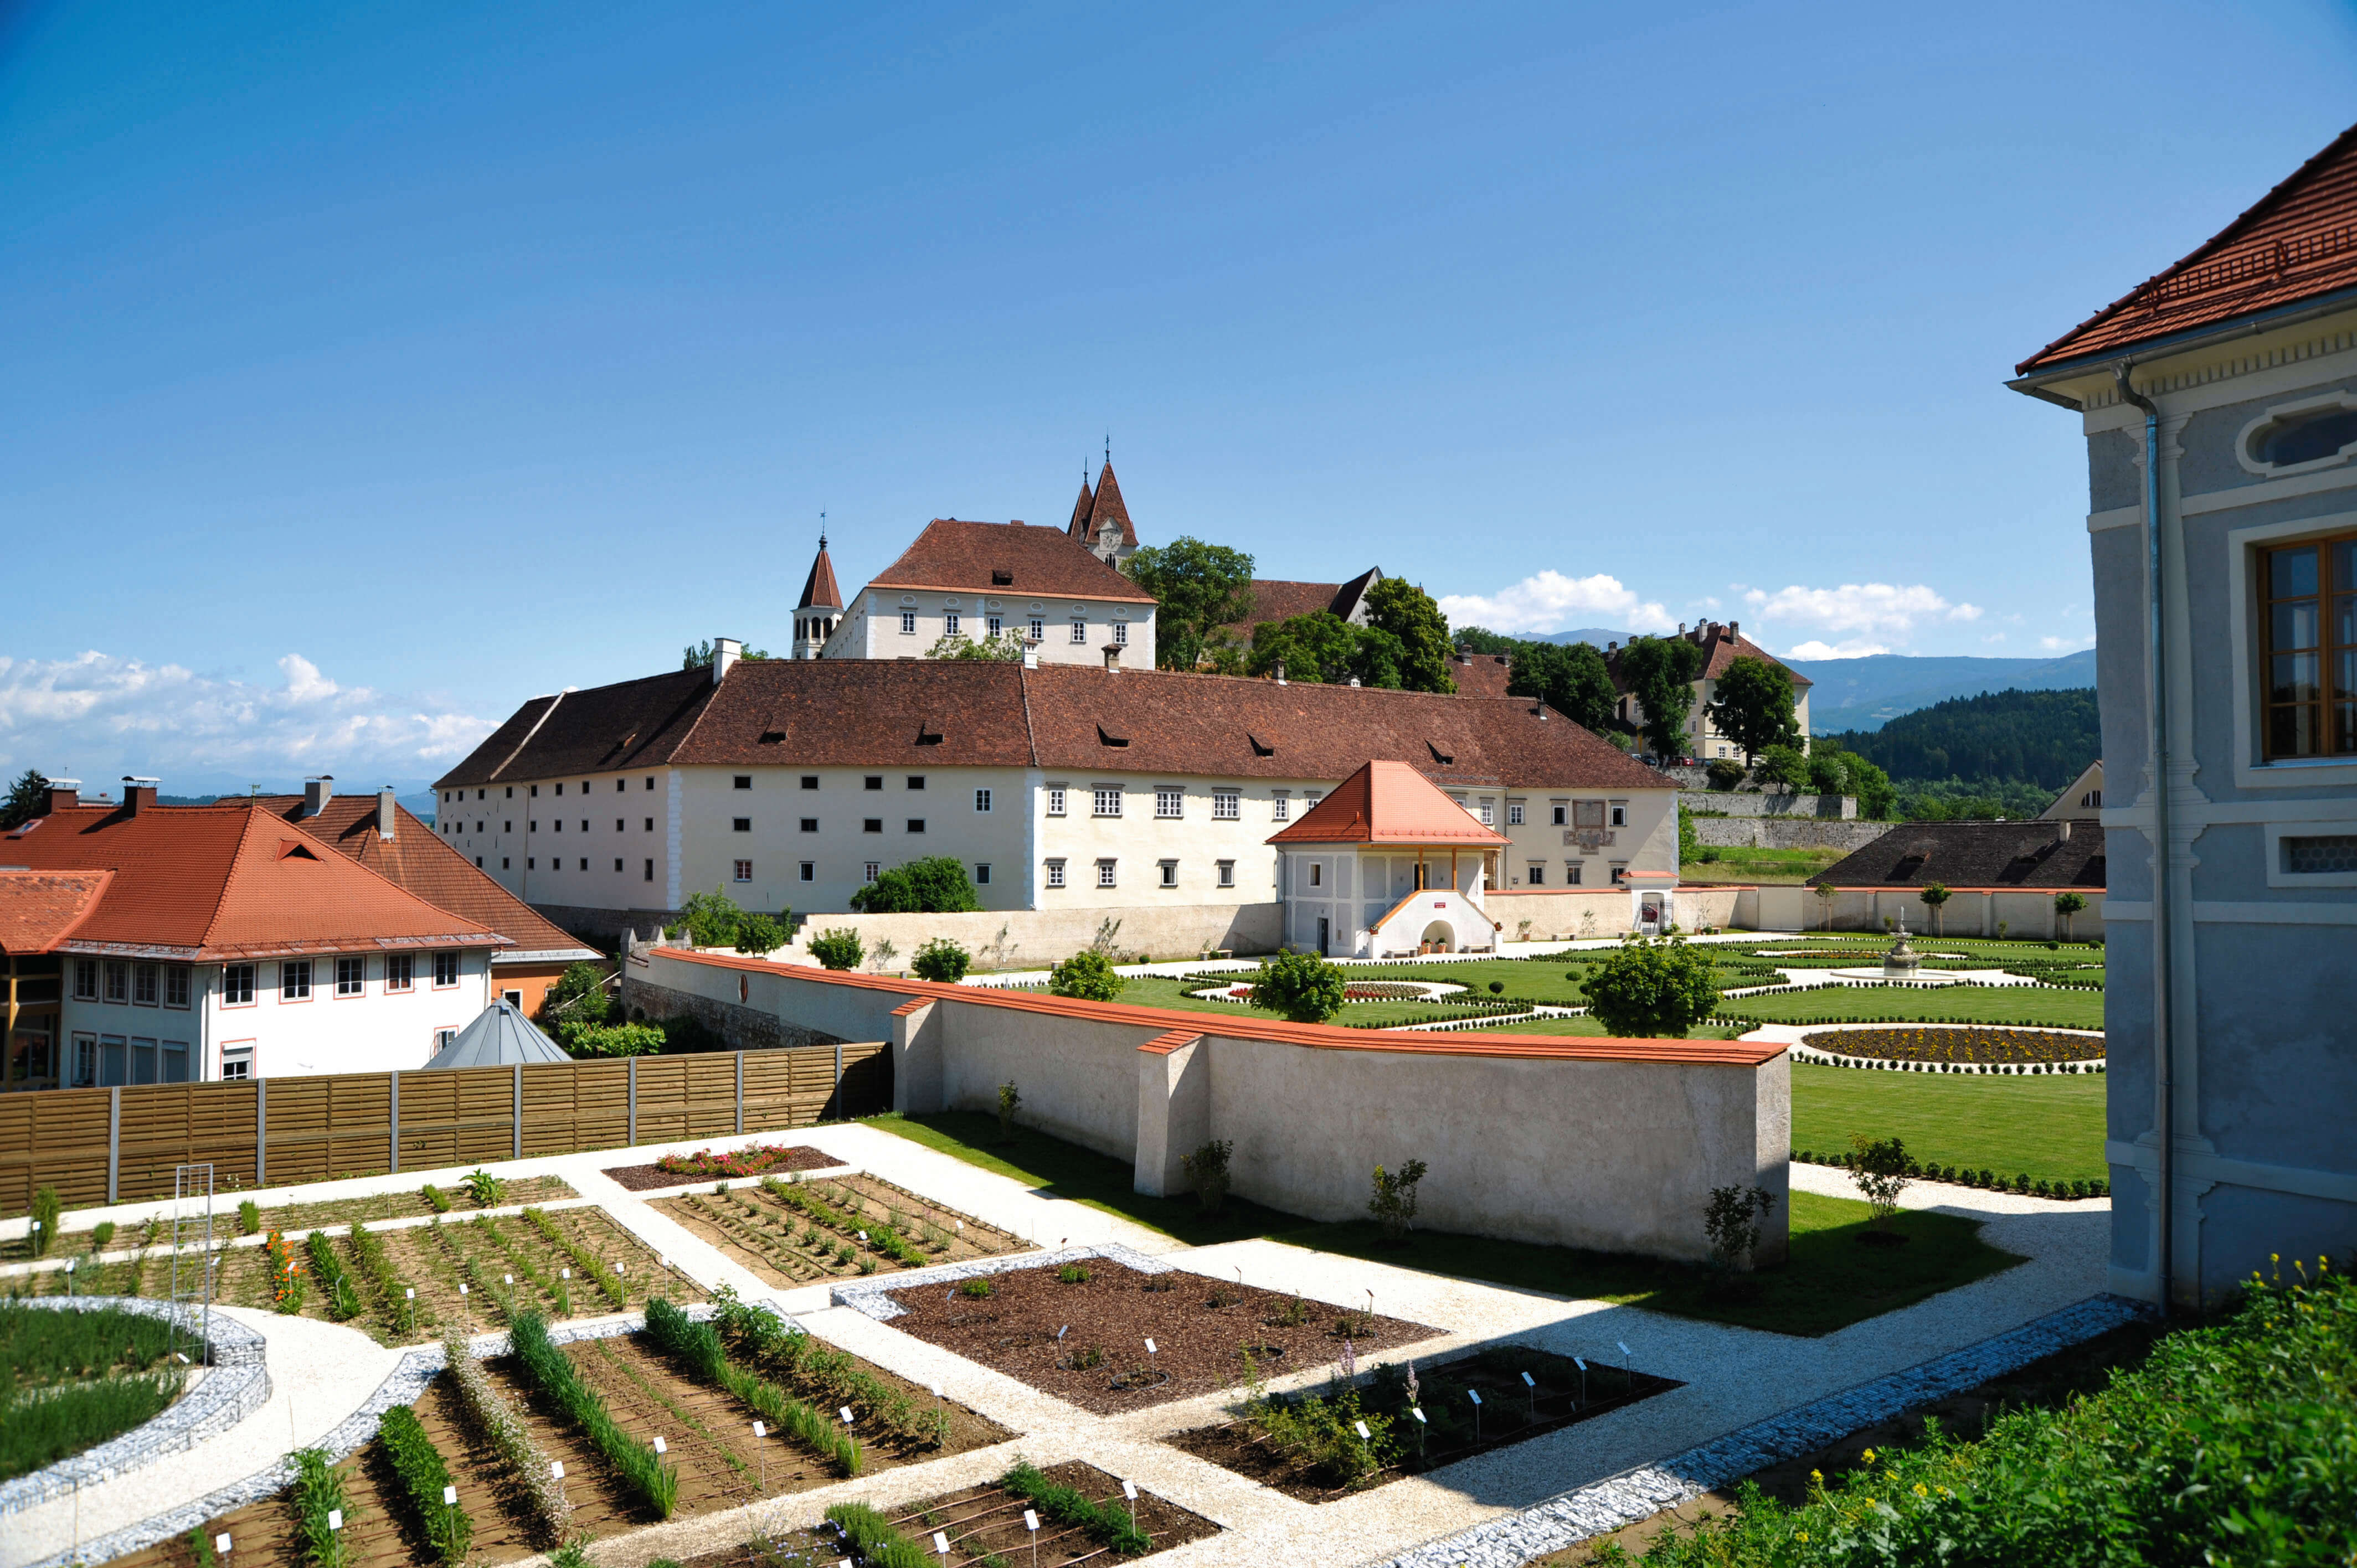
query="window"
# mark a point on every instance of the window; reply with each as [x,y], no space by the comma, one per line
[916,824]
[873,866]
[1227,873]
[2290,440]
[744,871]
[560,824]
[237,984]
[916,780]
[1619,813]
[982,874]
[85,980]
[175,985]
[2322,855]
[533,825]
[443,1040]
[1571,874]
[1281,807]
[908,623]
[584,863]
[1535,873]
[446,969]
[2092,800]
[401,972]
[743,781]
[620,785]
[1225,805]
[740,825]
[2309,617]
[950,622]
[1104,874]
[1055,874]
[619,827]
[1317,873]
[1121,634]
[871,824]
[1170,800]
[1108,800]
[237,1062]
[1487,821]
[1054,799]
[1561,816]
[1039,634]
[651,871]
[532,863]
[295,980]
[512,998]
[874,781]
[1169,869]
[992,625]
[810,824]
[535,792]
[118,980]
[503,862]
[352,976]
[1619,871]
[809,871]
[617,864]
[508,826]
[1080,628]
[810,780]
[560,789]
[982,800]
[650,783]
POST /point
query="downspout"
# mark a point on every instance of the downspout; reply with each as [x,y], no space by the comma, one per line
[2163,932]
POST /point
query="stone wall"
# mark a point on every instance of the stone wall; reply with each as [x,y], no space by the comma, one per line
[1761,803]
[1787,833]
[745,1028]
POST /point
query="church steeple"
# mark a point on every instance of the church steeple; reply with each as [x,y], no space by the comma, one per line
[1079,527]
[821,610]
[1108,532]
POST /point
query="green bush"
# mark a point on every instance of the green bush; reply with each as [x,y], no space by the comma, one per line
[936,885]
[1394,1203]
[46,1211]
[448,1527]
[248,1218]
[759,934]
[837,949]
[488,1190]
[2231,1445]
[1301,985]
[1088,975]
[100,1235]
[1652,990]
[1207,1167]
[942,960]
[579,996]
[435,1199]
[610,1039]
[1725,773]
[709,919]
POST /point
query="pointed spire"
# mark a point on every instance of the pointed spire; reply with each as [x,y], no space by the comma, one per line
[1109,507]
[1079,527]
[819,589]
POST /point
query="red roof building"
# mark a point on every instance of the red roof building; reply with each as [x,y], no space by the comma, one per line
[1722,643]
[1387,865]
[1040,590]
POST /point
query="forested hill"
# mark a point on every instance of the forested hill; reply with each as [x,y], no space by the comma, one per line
[2040,738]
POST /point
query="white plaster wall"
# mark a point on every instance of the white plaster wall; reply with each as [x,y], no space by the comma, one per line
[872,629]
[512,831]
[1035,939]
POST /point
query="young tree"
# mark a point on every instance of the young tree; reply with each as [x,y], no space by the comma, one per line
[838,948]
[1934,896]
[2067,905]
[936,885]
[700,655]
[1197,588]
[579,996]
[1652,990]
[1006,647]
[1879,1166]
[1782,765]
[1752,706]
[1088,975]
[1826,893]
[27,799]
[710,919]
[1301,985]
[759,935]
[1660,672]
[1398,606]
[943,960]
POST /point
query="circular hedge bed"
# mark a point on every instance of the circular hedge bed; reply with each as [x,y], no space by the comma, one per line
[1384,991]
[1977,1044]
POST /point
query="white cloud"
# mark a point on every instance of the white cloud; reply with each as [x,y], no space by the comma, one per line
[1552,602]
[96,715]
[1882,609]
[2065,644]
[1815,650]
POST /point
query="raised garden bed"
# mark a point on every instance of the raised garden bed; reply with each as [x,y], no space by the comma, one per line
[288,1214]
[984,1525]
[1083,1339]
[792,1232]
[1308,1445]
[1928,1043]
[708,1164]
[75,1380]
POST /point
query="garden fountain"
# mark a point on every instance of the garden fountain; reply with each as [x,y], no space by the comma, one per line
[1902,961]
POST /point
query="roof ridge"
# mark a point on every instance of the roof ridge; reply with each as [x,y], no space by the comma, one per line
[554,703]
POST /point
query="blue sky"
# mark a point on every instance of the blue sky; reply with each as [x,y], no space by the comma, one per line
[369,369]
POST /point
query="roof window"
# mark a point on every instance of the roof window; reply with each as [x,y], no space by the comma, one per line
[1105,739]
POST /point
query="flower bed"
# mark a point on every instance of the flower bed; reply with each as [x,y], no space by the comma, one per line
[1384,991]
[1938,1043]
[754,1159]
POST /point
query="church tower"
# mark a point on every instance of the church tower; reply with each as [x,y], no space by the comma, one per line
[821,610]
[1101,521]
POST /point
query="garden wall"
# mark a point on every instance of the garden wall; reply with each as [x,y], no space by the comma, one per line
[1040,939]
[2028,912]
[1786,833]
[1593,912]
[1607,1143]
[1768,803]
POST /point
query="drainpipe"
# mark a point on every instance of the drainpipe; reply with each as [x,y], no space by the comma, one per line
[2163,929]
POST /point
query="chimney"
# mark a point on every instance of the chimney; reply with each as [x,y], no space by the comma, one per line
[1734,627]
[64,794]
[1681,628]
[1031,656]
[726,651]
[1113,659]
[316,793]
[2062,830]
[1354,680]
[385,814]
[1280,672]
[138,794]
[1613,647]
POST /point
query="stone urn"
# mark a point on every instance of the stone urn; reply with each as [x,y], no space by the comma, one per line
[1902,961]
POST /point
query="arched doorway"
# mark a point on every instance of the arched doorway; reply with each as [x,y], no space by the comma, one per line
[1438,937]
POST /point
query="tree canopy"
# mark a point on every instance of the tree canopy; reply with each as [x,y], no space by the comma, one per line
[1006,647]
[936,885]
[1398,606]
[1197,590]
[1652,990]
[27,799]
[2044,738]
[1752,705]
[1320,646]
[1570,678]
[1660,672]
[700,655]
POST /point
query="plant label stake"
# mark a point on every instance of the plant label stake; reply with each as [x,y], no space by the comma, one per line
[449,1496]
[1364,1436]
[1149,1347]
[565,1273]
[621,1268]
[1583,1379]
[1625,1370]
[1475,1395]
[1129,1490]
[335,1518]
[759,1431]
[1534,1397]
[941,1544]
[1417,1411]
[221,1543]
[846,1415]
[1031,1523]
[661,1447]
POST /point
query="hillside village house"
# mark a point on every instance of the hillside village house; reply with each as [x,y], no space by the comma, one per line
[2218,405]
[791,784]
[981,580]
[1721,645]
[169,944]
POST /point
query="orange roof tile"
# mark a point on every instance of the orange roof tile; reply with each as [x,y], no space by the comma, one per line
[1012,558]
[1388,802]
[39,908]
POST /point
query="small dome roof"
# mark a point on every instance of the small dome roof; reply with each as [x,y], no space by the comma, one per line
[500,1037]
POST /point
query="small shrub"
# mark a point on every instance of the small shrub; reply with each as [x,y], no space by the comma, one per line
[1074,1274]
[1731,1220]
[1010,1099]
[248,1218]
[588,1040]
[941,960]
[759,934]
[45,1209]
[1879,1166]
[101,1234]
[318,1492]
[1652,990]
[1497,988]
[839,947]
[1087,975]
[977,1287]
[1207,1167]
[488,1190]
[436,1199]
[1302,986]
[1394,1203]
[448,1527]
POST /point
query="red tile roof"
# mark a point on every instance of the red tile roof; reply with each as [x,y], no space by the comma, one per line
[39,908]
[419,860]
[1241,1025]
[203,882]
[2298,242]
[1388,802]
[1008,558]
[1275,598]
[1721,645]
[819,591]
[1106,507]
[1481,675]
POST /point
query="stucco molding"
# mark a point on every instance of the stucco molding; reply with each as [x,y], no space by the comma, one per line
[2205,1165]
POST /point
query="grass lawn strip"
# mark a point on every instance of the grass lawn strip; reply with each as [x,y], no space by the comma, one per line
[2049,1127]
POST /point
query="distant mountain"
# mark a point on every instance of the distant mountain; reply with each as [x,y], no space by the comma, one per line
[1863,694]
[1597,635]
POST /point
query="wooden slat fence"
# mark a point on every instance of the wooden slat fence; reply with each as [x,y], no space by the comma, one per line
[119,1145]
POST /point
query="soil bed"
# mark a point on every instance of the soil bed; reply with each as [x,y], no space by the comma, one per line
[299,1216]
[1198,1345]
[821,1236]
[743,1164]
[984,1525]
[1930,1043]
[1511,1411]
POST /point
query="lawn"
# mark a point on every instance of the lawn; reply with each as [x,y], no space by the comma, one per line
[1773,865]
[2057,1009]
[2051,1128]
[1832,1279]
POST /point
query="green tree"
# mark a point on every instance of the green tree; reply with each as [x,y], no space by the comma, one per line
[1660,674]
[700,655]
[1935,894]
[1826,893]
[936,885]
[710,919]
[1320,646]
[943,960]
[27,799]
[1652,990]
[2040,739]
[1782,765]
[759,934]
[1006,647]
[1860,777]
[579,996]
[1571,678]
[837,949]
[1301,985]
[2067,905]
[1088,975]
[1197,588]
[1752,705]
[1398,606]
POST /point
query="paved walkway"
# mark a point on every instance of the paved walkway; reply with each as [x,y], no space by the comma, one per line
[1733,1376]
